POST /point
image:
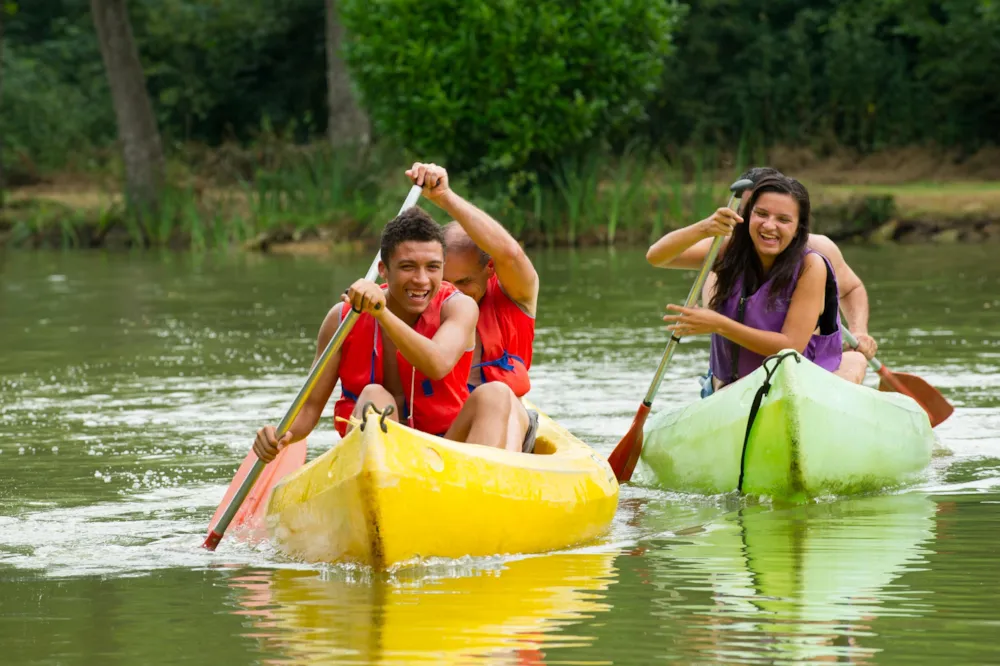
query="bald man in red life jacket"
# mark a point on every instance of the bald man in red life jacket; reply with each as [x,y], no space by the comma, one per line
[487,264]
[411,348]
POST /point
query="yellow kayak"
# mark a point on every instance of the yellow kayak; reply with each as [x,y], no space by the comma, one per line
[385,496]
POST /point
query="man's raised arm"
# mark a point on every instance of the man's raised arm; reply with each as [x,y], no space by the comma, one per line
[513,267]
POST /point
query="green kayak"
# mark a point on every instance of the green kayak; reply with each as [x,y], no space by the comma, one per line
[814,434]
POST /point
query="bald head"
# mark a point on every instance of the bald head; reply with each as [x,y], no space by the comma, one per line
[465,265]
[459,243]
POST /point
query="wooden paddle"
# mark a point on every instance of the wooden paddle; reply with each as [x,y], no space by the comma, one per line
[290,458]
[929,398]
[625,456]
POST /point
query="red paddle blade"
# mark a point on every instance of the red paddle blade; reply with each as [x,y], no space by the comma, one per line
[251,514]
[625,456]
[937,407]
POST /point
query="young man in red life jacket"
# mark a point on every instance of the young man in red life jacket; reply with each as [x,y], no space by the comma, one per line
[485,263]
[410,348]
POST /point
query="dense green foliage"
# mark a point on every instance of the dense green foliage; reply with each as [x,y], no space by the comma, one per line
[500,83]
[862,73]
[56,100]
[216,69]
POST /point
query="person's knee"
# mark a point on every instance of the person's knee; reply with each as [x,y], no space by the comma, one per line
[375,394]
[493,393]
[495,397]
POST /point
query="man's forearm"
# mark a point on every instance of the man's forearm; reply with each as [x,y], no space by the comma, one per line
[305,422]
[488,234]
[855,306]
[420,351]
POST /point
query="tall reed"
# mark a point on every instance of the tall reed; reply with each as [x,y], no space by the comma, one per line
[577,182]
[626,184]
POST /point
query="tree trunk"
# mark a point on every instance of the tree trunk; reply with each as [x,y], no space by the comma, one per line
[347,123]
[137,130]
[3,189]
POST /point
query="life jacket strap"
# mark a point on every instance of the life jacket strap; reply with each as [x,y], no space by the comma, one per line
[504,362]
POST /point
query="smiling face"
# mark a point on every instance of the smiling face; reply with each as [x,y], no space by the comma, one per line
[414,273]
[773,223]
[465,270]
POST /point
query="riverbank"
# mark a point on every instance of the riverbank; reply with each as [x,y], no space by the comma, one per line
[315,203]
[46,217]
[917,212]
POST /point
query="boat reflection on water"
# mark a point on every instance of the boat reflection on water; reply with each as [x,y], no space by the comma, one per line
[497,612]
[807,583]
[801,583]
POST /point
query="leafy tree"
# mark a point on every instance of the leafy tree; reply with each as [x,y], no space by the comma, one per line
[506,85]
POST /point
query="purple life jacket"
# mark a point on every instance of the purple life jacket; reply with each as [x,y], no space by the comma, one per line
[730,362]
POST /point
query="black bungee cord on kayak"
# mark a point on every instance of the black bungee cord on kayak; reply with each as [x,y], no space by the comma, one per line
[389,409]
[757,399]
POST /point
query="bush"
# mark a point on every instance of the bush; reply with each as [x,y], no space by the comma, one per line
[506,85]
[45,119]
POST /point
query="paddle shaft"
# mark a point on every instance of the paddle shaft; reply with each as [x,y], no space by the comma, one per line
[332,347]
[692,299]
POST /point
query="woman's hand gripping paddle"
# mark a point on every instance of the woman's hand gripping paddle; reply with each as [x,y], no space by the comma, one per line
[625,456]
[937,407]
[240,505]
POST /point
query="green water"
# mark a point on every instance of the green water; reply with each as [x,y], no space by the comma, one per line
[130,386]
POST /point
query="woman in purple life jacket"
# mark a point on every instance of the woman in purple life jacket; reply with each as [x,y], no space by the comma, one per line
[772,293]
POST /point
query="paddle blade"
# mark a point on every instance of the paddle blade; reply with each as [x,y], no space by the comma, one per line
[251,514]
[937,407]
[625,456]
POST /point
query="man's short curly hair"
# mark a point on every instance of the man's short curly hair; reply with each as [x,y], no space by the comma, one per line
[413,224]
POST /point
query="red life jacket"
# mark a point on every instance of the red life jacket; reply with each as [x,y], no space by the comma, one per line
[435,403]
[507,334]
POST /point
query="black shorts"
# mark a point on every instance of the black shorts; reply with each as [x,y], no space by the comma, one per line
[528,446]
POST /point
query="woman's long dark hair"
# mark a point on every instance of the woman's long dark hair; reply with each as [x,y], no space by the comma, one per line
[740,257]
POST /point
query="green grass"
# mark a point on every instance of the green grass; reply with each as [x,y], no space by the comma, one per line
[948,200]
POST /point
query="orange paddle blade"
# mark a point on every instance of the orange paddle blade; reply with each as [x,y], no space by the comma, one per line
[251,513]
[625,456]
[937,407]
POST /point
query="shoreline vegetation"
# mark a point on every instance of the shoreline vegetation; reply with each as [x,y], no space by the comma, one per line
[285,198]
[193,125]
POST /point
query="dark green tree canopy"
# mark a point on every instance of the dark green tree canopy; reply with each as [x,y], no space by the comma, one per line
[509,85]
